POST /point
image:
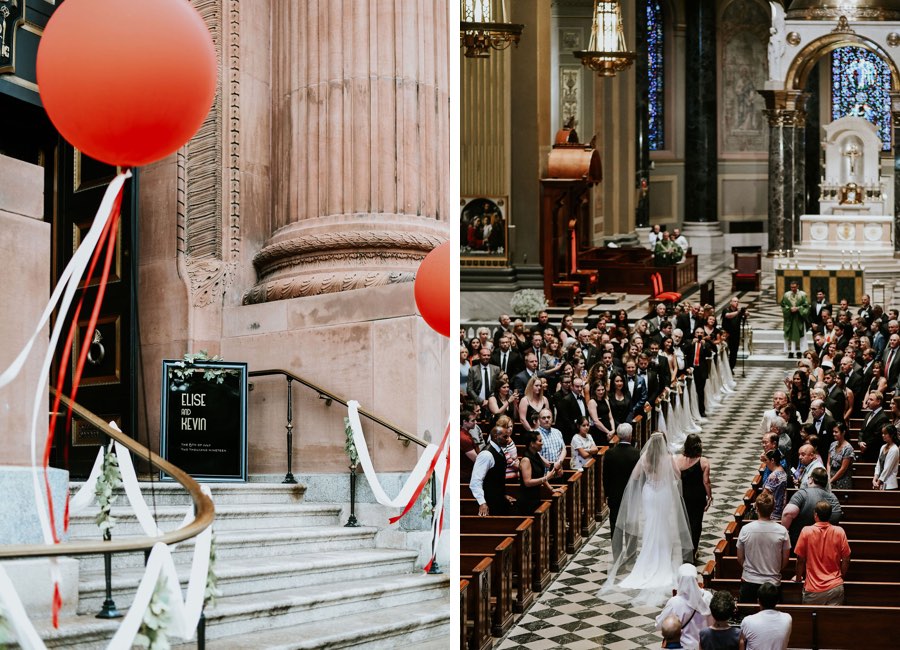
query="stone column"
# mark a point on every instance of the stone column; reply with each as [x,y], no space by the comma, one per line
[895,120]
[642,85]
[701,142]
[361,139]
[786,117]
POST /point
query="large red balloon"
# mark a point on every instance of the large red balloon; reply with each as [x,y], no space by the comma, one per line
[432,289]
[127,82]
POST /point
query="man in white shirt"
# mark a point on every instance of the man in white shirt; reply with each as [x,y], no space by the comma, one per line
[768,629]
[554,450]
[654,236]
[779,401]
[488,483]
[763,550]
[680,239]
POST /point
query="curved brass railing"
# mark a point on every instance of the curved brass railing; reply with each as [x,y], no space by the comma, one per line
[324,394]
[204,512]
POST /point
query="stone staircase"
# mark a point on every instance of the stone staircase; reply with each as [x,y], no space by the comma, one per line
[292,576]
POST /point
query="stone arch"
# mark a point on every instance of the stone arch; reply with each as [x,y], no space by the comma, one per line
[808,56]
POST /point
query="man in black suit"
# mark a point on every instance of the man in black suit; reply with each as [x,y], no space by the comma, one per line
[853,380]
[504,329]
[892,360]
[590,353]
[482,379]
[664,332]
[696,356]
[636,387]
[520,381]
[865,311]
[660,317]
[835,400]
[650,376]
[570,409]
[824,426]
[689,320]
[618,463]
[659,363]
[508,360]
[732,317]
[816,318]
[870,434]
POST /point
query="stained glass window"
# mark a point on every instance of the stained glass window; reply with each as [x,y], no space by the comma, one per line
[860,83]
[655,73]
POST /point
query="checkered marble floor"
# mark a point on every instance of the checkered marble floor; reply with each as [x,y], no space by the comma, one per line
[570,615]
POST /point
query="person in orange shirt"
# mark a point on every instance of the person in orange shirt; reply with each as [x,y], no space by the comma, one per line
[823,558]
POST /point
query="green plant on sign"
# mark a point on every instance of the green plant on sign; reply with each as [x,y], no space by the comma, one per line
[186,368]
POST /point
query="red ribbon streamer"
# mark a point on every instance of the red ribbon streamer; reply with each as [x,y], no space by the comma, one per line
[440,527]
[425,478]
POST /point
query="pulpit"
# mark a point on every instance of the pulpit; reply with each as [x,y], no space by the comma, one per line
[572,169]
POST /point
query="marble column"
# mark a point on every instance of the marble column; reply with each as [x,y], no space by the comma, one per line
[813,145]
[642,84]
[895,120]
[361,137]
[701,150]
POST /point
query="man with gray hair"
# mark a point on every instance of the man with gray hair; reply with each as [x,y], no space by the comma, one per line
[824,426]
[618,462]
[779,401]
[779,428]
[800,510]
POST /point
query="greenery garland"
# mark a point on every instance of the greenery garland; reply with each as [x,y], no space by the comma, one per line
[185,369]
[349,446]
[152,634]
[212,580]
[425,498]
[109,480]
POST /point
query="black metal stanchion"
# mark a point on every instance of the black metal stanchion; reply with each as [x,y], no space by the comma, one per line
[201,631]
[109,609]
[289,477]
[435,567]
[351,521]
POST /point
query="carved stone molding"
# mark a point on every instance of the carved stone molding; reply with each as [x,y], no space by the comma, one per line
[342,253]
[785,117]
[208,280]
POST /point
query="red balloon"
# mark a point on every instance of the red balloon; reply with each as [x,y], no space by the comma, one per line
[127,82]
[432,289]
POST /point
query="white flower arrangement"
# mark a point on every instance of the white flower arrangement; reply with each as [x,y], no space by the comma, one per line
[528,302]
[109,480]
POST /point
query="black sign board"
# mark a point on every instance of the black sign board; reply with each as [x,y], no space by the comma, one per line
[204,419]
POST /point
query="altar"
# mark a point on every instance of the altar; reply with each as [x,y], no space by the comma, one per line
[856,217]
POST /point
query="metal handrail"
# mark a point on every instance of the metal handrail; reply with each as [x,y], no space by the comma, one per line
[331,396]
[204,511]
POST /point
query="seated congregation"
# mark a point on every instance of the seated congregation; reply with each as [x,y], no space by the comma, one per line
[554,420]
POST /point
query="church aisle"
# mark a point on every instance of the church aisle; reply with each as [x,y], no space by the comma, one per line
[570,615]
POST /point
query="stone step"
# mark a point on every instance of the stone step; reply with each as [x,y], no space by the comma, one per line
[248,544]
[170,493]
[256,575]
[334,604]
[228,517]
[334,607]
[423,625]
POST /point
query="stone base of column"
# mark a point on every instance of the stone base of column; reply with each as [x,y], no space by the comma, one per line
[341,253]
[705,238]
[19,522]
[642,234]
[32,580]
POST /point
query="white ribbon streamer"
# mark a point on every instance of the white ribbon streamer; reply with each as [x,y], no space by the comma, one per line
[362,450]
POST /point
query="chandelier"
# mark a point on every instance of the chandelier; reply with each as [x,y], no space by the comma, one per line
[478,31]
[606,53]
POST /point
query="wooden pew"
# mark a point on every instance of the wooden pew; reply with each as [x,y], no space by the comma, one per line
[862,549]
[864,594]
[463,612]
[477,534]
[540,540]
[818,626]
[726,566]
[572,480]
[478,604]
[558,521]
[852,512]
[472,550]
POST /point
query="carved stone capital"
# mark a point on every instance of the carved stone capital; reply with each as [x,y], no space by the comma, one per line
[785,117]
[208,280]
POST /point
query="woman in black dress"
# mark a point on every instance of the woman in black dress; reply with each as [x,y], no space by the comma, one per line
[619,400]
[695,486]
[799,395]
[532,474]
[603,427]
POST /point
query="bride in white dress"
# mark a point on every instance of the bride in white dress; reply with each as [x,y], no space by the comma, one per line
[652,529]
